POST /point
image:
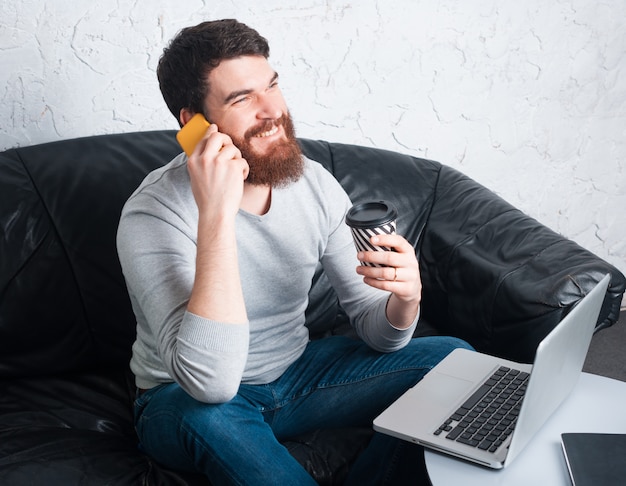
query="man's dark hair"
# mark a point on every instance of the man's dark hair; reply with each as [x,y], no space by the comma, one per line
[186,63]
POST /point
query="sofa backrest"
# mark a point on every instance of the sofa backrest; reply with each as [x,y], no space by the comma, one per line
[491,274]
[63,300]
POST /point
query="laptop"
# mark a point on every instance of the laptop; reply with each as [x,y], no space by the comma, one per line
[486,409]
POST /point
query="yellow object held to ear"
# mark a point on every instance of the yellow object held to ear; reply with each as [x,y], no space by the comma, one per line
[193,131]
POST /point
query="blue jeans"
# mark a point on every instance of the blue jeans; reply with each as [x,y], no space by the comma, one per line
[337,382]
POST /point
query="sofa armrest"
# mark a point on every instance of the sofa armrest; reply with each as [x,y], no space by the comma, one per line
[498,278]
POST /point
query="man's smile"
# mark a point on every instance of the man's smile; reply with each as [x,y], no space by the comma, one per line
[268,133]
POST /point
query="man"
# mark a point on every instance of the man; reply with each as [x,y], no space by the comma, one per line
[219,250]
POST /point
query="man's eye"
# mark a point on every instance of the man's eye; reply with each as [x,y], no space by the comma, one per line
[241,101]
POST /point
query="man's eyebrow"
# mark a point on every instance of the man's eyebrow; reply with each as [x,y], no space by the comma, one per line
[242,92]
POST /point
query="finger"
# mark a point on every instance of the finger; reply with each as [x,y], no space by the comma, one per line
[390,274]
[387,285]
[214,140]
[246,169]
[395,241]
[381,258]
[228,152]
[404,287]
[202,143]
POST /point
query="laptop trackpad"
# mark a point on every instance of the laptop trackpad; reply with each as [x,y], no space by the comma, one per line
[447,389]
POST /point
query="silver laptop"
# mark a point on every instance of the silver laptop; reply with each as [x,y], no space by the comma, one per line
[486,409]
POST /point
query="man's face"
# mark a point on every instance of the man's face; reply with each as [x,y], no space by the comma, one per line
[246,103]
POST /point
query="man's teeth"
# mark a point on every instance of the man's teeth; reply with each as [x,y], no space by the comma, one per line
[268,133]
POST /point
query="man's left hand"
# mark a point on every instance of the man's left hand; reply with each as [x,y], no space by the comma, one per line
[400,276]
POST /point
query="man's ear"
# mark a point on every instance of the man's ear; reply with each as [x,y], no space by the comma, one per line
[185,116]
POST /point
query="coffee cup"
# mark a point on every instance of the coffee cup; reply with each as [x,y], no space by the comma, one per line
[368,219]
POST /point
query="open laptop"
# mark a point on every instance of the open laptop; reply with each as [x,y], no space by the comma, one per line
[447,410]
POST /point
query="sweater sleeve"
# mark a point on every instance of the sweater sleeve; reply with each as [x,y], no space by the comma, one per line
[157,249]
[364,305]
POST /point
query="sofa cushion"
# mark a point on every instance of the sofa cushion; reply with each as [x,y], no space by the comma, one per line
[75,428]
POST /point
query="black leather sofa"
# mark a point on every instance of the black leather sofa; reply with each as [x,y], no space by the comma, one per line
[491,275]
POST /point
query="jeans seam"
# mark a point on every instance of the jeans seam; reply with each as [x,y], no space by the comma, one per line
[214,458]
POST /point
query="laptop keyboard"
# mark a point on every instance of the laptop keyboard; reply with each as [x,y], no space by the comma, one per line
[488,417]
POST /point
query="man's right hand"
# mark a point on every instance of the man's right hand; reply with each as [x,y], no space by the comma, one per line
[217,171]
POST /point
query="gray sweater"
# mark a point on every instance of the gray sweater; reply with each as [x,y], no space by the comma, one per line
[278,254]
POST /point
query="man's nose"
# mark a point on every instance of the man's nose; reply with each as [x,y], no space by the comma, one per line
[270,108]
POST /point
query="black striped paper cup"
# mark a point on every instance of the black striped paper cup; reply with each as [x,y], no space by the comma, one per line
[368,219]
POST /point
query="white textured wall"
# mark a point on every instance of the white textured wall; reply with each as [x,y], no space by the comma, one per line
[528,98]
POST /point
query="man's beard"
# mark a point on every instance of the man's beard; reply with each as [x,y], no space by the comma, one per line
[282,164]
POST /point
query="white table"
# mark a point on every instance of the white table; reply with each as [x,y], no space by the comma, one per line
[597,404]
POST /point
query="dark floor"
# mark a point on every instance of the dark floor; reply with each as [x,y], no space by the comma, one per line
[607,353]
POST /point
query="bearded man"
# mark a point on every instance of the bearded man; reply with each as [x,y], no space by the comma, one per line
[219,250]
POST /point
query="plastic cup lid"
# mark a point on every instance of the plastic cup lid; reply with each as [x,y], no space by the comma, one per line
[370,214]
